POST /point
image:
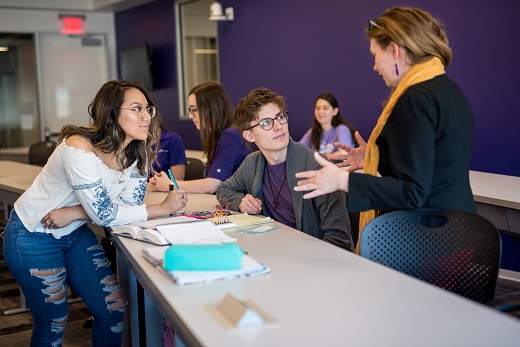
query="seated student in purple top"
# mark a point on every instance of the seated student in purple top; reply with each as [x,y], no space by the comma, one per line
[222,143]
[263,183]
[171,155]
[329,127]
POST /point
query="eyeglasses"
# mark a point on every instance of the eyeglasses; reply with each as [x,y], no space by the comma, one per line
[140,110]
[372,23]
[268,123]
[192,110]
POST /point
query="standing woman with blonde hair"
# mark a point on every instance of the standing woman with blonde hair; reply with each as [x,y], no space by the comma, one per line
[222,144]
[422,142]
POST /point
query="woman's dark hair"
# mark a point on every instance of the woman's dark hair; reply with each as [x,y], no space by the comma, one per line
[336,120]
[105,133]
[215,114]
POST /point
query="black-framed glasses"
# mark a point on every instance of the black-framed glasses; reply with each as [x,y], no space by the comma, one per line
[372,23]
[192,110]
[268,123]
[140,111]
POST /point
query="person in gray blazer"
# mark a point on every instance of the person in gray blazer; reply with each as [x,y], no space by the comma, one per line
[262,184]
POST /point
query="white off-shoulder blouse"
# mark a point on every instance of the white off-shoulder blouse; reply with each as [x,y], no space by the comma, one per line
[75,177]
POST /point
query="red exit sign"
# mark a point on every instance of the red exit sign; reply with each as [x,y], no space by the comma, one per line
[72,24]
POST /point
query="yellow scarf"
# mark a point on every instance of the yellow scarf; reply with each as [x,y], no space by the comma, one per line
[418,73]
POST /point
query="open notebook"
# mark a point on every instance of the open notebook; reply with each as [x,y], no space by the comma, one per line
[250,267]
[174,231]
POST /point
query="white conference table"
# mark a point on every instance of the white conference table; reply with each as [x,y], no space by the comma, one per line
[318,294]
[497,198]
[15,178]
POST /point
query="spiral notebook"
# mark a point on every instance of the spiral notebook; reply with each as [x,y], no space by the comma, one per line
[198,231]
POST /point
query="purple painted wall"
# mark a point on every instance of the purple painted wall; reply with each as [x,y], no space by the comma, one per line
[154,23]
[301,48]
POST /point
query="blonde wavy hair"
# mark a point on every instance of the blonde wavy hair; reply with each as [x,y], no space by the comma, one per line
[414,29]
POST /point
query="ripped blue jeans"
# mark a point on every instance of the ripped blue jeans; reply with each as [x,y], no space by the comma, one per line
[43,265]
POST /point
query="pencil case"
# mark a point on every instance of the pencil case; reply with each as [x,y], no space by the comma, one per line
[203,257]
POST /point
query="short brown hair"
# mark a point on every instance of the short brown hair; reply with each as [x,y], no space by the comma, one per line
[414,29]
[248,108]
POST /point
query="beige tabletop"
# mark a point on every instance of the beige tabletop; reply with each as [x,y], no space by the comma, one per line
[15,178]
[494,189]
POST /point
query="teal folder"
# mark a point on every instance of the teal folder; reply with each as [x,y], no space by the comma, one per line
[203,257]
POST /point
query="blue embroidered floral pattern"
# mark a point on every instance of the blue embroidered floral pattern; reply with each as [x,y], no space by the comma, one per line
[103,206]
[139,190]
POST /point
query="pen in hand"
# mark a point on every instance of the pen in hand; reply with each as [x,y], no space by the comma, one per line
[173,179]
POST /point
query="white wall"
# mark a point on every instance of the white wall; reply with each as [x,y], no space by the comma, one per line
[31,21]
[43,23]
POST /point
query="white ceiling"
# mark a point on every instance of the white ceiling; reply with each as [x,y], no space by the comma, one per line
[73,5]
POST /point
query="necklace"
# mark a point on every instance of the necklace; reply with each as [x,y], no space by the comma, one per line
[275,202]
[121,178]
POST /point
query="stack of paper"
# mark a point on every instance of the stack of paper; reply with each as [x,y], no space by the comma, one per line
[199,231]
[245,220]
[250,267]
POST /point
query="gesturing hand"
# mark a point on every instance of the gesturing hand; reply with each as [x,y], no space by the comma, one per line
[326,180]
[354,158]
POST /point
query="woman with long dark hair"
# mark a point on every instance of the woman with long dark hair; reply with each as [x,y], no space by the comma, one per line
[96,173]
[328,127]
[222,144]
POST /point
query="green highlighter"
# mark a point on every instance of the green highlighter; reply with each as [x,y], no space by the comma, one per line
[219,257]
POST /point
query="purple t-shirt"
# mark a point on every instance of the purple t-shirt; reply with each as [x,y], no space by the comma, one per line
[340,133]
[230,153]
[276,188]
[171,151]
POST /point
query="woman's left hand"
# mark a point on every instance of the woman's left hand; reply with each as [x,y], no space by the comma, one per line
[63,216]
[160,182]
[324,181]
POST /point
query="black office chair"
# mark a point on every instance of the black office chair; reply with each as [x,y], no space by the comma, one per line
[454,250]
[40,152]
[195,169]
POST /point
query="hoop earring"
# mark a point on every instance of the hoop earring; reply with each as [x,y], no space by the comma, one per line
[396,69]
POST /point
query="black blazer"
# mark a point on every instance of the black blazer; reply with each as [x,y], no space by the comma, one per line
[424,153]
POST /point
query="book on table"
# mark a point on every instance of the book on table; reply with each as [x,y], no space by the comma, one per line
[175,231]
[249,267]
[141,234]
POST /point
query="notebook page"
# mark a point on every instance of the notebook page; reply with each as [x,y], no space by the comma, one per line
[197,232]
[152,223]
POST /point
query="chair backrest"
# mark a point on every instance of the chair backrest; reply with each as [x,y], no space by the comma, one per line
[40,152]
[195,169]
[454,250]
